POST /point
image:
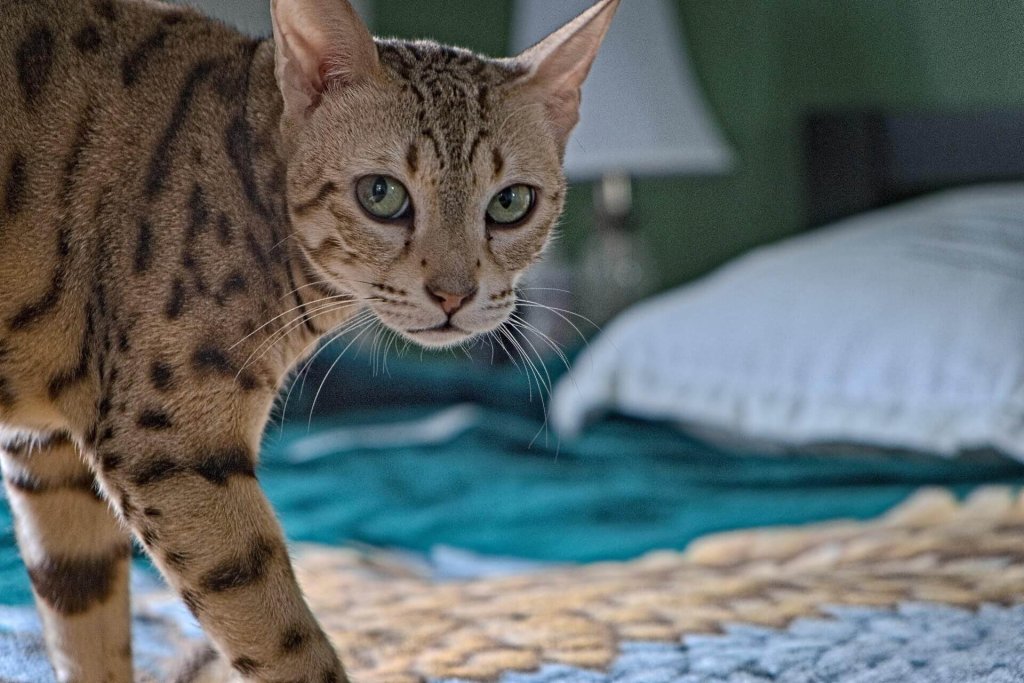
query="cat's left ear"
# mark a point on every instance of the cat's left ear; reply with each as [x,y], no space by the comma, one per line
[558,65]
[320,44]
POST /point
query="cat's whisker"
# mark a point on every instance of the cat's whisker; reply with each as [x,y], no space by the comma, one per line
[547,387]
[551,343]
[496,336]
[298,321]
[375,348]
[540,387]
[385,340]
[405,344]
[527,363]
[392,338]
[284,239]
[367,283]
[564,315]
[306,315]
[365,327]
[490,342]
[315,283]
[486,339]
[302,320]
[303,372]
[555,309]
[537,354]
[342,330]
[283,314]
[544,289]
[518,340]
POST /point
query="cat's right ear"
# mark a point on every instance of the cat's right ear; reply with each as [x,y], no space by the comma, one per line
[557,66]
[320,44]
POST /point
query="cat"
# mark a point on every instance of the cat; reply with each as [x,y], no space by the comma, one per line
[185,212]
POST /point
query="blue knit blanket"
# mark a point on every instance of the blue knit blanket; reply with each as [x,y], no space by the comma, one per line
[916,643]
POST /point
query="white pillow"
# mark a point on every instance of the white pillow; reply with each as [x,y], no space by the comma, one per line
[900,328]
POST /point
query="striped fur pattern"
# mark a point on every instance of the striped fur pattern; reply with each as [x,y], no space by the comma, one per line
[178,228]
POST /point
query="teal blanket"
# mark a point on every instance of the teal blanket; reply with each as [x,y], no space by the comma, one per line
[623,489]
[466,462]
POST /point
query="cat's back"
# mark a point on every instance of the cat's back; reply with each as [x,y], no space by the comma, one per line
[112,112]
[57,56]
[88,91]
[52,51]
[91,94]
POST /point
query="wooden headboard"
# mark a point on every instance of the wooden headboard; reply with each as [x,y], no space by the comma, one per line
[863,160]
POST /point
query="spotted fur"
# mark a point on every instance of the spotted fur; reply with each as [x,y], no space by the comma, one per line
[179,227]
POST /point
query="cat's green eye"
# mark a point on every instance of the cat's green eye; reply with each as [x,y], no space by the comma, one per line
[383,197]
[511,205]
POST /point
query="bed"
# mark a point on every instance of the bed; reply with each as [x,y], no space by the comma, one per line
[445,533]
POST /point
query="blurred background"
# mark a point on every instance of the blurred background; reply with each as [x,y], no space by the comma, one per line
[789,286]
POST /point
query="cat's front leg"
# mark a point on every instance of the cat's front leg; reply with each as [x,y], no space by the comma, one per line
[198,509]
[77,557]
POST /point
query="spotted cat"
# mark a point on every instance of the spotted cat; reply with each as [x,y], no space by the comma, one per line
[184,213]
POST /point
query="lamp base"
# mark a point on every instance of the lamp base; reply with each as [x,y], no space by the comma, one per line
[616,269]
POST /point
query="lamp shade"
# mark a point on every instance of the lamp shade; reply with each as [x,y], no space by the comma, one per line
[643,112]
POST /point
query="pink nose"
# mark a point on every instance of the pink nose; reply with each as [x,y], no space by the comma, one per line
[450,303]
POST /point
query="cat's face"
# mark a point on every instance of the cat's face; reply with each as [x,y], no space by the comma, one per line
[440,192]
[424,180]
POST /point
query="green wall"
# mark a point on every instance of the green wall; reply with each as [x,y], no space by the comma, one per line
[764,63]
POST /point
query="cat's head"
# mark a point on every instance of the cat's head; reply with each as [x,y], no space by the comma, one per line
[425,179]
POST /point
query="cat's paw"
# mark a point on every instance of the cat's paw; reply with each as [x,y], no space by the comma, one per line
[205,665]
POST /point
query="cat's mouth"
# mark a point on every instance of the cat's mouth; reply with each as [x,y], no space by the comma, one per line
[443,327]
[439,335]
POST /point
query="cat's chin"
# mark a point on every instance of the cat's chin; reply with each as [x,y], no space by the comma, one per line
[439,337]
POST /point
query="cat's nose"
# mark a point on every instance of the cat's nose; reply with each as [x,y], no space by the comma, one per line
[450,302]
